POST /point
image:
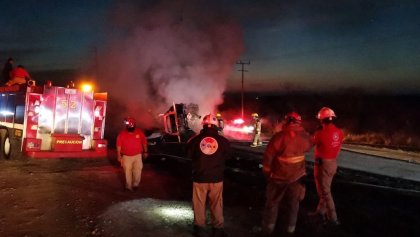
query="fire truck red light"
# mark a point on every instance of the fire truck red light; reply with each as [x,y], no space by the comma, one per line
[238,121]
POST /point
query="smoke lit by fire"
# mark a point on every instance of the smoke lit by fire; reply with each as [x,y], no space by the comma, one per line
[167,51]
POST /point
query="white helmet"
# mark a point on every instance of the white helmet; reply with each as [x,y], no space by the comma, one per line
[324,113]
[209,119]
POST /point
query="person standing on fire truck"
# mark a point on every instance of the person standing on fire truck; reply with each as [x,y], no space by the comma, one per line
[327,140]
[19,75]
[131,149]
[208,151]
[284,168]
[257,131]
[7,69]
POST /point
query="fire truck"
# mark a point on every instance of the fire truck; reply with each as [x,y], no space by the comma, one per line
[52,122]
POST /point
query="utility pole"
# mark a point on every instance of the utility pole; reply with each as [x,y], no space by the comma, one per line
[242,89]
[95,51]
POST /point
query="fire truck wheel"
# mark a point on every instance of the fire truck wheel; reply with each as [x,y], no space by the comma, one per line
[6,147]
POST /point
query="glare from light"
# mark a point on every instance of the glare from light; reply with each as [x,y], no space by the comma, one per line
[6,113]
[238,121]
[87,87]
[176,213]
[248,129]
[241,129]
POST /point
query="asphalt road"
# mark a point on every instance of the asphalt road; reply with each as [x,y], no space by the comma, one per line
[74,197]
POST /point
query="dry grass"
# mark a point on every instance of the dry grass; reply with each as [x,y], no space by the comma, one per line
[396,139]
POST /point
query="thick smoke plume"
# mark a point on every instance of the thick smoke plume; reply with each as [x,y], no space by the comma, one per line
[160,52]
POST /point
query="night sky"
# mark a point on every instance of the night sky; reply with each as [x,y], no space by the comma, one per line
[303,45]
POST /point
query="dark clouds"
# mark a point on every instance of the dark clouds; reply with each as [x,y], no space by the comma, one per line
[43,33]
[295,41]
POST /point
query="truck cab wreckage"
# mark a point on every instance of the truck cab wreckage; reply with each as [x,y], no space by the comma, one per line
[180,123]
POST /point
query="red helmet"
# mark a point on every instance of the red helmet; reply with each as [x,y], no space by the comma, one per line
[209,119]
[130,122]
[324,113]
[293,117]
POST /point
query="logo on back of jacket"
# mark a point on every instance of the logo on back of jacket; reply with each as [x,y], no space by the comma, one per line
[208,145]
[336,140]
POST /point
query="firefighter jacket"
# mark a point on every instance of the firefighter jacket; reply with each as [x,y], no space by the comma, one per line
[208,151]
[20,73]
[284,156]
[257,126]
[131,143]
[220,124]
[328,142]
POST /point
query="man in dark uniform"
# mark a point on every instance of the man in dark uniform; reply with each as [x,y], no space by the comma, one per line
[208,151]
[284,166]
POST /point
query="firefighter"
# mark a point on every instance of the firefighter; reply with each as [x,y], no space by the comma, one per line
[7,69]
[220,123]
[257,131]
[327,140]
[131,149]
[19,75]
[208,151]
[284,168]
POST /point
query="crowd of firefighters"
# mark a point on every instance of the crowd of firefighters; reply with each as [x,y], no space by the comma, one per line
[283,166]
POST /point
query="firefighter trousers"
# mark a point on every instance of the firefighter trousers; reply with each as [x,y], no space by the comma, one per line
[292,193]
[133,166]
[257,139]
[324,172]
[213,192]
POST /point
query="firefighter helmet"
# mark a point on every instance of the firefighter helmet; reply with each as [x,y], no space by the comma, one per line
[210,120]
[254,115]
[293,117]
[218,115]
[130,122]
[324,113]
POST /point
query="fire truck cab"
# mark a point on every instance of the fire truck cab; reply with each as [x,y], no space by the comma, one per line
[51,122]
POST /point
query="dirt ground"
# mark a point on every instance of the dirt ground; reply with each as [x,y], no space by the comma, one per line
[77,197]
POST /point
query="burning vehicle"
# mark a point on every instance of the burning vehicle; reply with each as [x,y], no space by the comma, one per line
[180,123]
[183,121]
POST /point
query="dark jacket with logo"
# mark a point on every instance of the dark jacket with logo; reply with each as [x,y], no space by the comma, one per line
[289,144]
[208,152]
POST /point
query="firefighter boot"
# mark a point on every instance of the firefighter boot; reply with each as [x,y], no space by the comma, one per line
[199,231]
[317,217]
[219,232]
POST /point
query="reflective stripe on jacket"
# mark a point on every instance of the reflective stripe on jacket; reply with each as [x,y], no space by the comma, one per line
[284,156]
